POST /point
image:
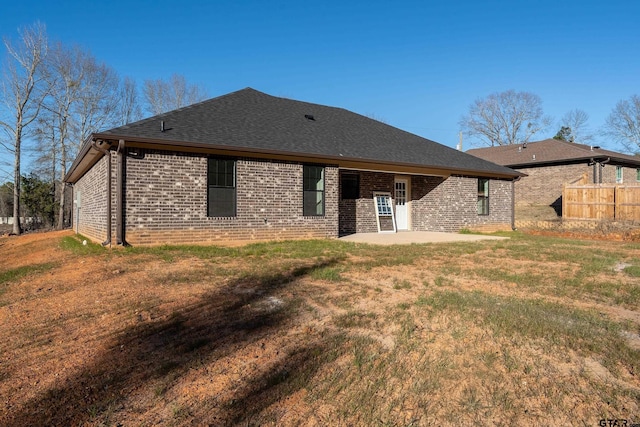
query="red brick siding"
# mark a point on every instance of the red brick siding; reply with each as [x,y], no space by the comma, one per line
[166,201]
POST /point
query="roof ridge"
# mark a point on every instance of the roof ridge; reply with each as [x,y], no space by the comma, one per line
[577,145]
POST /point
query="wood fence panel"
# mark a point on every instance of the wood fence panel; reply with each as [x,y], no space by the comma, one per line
[601,201]
[628,203]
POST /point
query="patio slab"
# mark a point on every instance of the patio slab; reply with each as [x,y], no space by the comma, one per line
[408,237]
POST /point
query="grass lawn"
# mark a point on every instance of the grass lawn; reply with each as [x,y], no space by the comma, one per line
[533,330]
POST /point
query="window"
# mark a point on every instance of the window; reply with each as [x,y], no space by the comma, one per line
[350,185]
[221,184]
[383,204]
[483,196]
[638,174]
[313,188]
[619,174]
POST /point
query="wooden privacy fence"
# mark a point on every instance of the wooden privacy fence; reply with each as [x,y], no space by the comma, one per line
[614,202]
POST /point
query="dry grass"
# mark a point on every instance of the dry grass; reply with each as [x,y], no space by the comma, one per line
[530,331]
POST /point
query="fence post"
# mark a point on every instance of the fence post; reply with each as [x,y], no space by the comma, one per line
[615,203]
[564,200]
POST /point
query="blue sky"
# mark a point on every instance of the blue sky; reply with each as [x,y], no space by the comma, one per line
[417,65]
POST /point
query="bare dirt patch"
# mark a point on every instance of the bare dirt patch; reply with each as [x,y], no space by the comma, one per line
[342,335]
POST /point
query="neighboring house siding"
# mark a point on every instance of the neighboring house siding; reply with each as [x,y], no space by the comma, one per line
[166,201]
[543,185]
[436,204]
[629,175]
[89,219]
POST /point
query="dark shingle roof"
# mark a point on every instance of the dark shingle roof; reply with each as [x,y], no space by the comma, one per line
[252,120]
[548,151]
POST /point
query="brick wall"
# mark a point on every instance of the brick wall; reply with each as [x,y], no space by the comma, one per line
[359,216]
[543,185]
[89,215]
[437,204]
[166,201]
[450,204]
[629,175]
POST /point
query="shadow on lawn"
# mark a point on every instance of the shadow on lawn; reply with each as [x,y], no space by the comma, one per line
[219,324]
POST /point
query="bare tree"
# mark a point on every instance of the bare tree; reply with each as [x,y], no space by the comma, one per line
[505,118]
[575,122]
[97,108]
[623,123]
[23,89]
[128,107]
[46,149]
[162,96]
[83,99]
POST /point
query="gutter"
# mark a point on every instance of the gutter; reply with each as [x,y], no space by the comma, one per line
[597,171]
[576,160]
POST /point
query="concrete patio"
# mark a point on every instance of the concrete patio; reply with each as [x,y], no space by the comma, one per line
[408,237]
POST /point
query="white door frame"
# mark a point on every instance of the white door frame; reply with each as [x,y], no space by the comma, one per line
[403,210]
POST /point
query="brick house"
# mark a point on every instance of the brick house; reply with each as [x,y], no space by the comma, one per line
[248,165]
[550,163]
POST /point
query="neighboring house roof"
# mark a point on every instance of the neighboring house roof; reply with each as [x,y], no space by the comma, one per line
[549,152]
[249,121]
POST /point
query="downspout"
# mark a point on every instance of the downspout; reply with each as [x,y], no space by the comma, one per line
[119,194]
[513,203]
[597,169]
[106,153]
[602,163]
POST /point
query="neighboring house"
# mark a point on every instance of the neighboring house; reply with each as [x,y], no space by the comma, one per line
[551,163]
[248,165]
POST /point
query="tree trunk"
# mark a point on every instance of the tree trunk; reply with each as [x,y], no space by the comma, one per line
[61,210]
[17,230]
[63,172]
[52,217]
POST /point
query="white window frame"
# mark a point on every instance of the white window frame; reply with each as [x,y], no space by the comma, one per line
[383,204]
[619,175]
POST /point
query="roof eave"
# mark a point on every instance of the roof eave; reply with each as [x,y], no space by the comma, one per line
[80,165]
[86,149]
[575,160]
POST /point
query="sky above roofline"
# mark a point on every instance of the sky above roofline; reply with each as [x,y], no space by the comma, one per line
[415,65]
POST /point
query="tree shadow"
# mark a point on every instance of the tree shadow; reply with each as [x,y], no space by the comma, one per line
[214,327]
